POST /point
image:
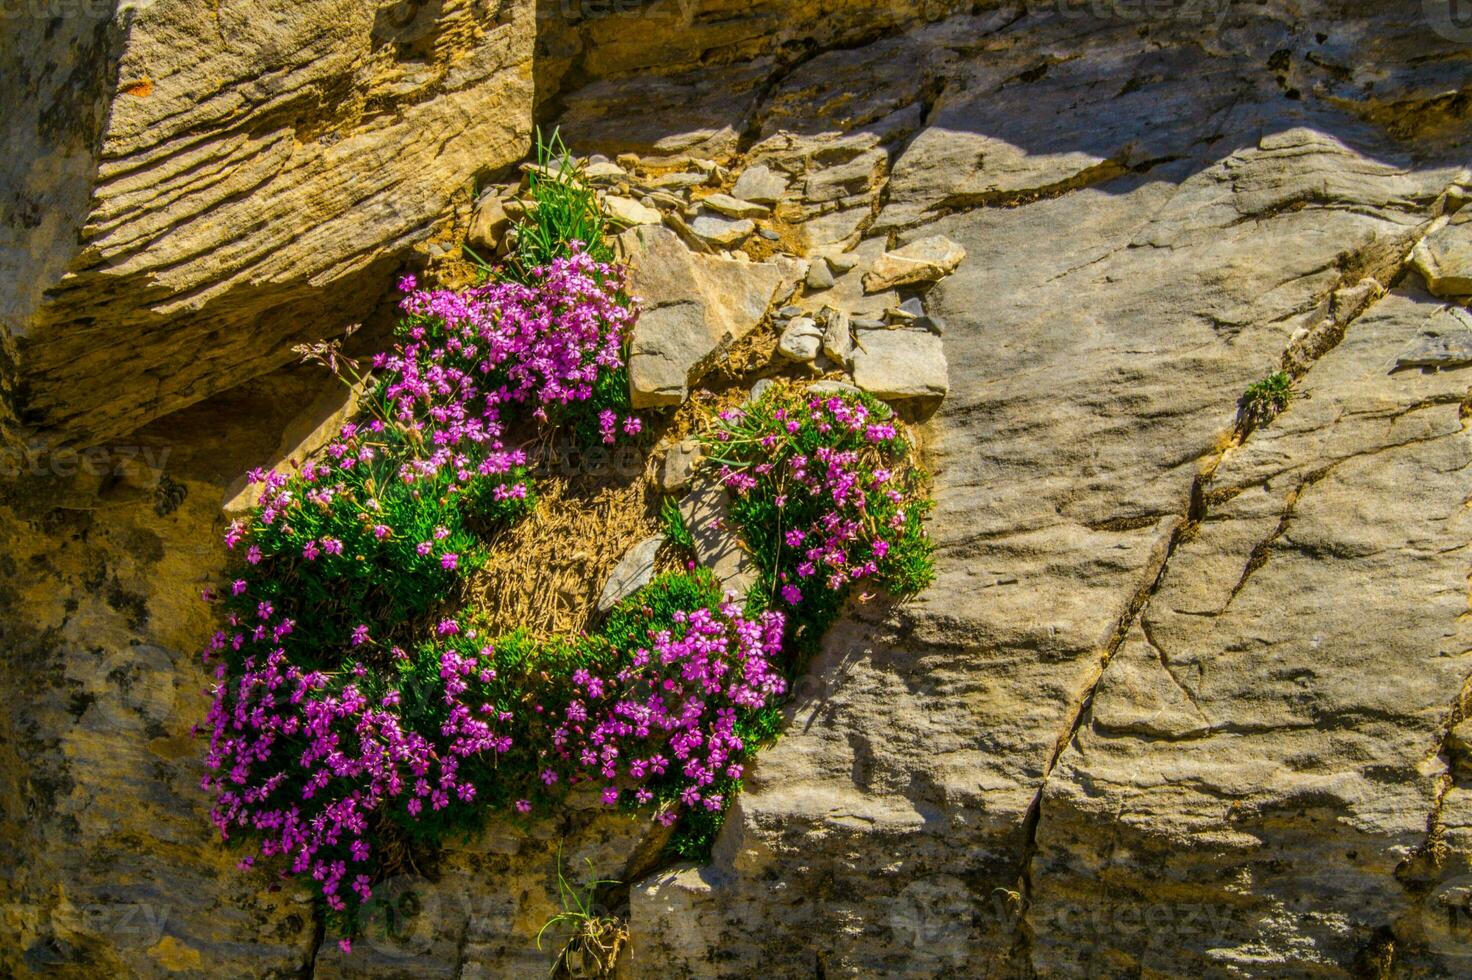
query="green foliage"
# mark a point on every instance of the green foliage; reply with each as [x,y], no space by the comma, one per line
[366,613]
[563,208]
[674,525]
[1266,398]
[593,939]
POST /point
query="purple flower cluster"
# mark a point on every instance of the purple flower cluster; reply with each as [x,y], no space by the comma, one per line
[674,705]
[305,759]
[853,503]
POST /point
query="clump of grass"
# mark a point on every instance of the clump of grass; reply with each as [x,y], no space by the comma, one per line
[594,939]
[1265,399]
[674,525]
[562,208]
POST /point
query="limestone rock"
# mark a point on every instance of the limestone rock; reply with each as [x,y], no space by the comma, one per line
[679,464]
[661,115]
[838,338]
[760,184]
[732,207]
[675,902]
[693,305]
[706,511]
[305,436]
[924,260]
[1099,336]
[627,211]
[722,231]
[801,341]
[1444,257]
[487,225]
[847,292]
[1179,704]
[900,362]
[819,275]
[633,571]
[604,171]
[1445,342]
[678,181]
[204,205]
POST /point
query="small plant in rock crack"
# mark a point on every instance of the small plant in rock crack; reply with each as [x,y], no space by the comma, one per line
[1265,399]
[594,939]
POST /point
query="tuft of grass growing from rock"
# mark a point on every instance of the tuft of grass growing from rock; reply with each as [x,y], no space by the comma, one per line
[562,208]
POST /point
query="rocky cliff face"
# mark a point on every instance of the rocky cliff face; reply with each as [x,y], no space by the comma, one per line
[192,188]
[1188,697]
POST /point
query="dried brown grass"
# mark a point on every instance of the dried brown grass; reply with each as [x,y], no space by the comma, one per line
[545,573]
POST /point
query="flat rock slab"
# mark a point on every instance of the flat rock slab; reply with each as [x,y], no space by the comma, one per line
[1444,257]
[926,260]
[629,212]
[707,513]
[899,363]
[1446,342]
[761,184]
[722,231]
[693,305]
[678,467]
[733,207]
[633,571]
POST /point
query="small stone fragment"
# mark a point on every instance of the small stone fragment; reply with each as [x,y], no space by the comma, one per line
[604,171]
[838,339]
[488,224]
[721,231]
[801,340]
[679,465]
[760,184]
[1444,257]
[841,262]
[819,275]
[664,199]
[677,180]
[627,211]
[732,208]
[769,234]
[633,571]
[925,260]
